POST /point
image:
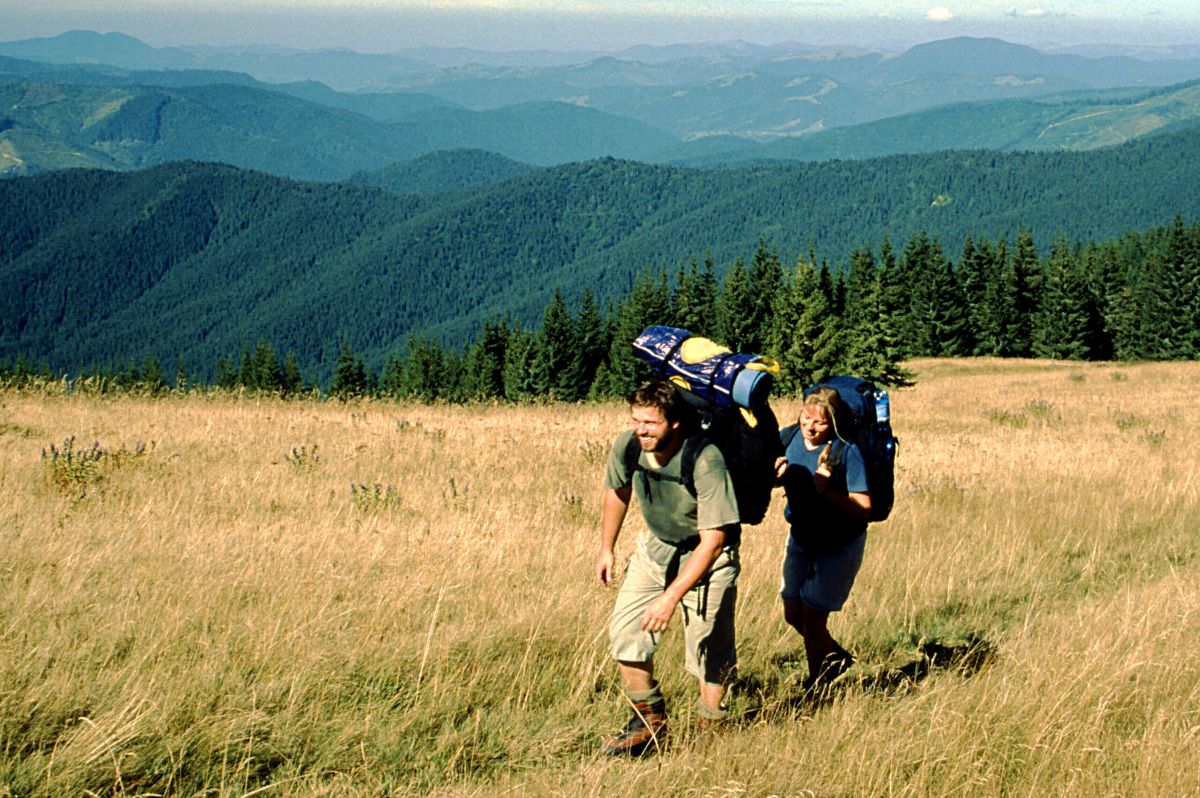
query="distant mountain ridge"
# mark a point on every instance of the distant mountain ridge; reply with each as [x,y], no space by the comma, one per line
[1072,121]
[731,88]
[109,117]
[117,124]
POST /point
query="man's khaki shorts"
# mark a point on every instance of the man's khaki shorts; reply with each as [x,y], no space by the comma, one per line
[707,609]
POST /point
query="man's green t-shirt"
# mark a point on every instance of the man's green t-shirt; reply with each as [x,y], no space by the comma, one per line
[672,514]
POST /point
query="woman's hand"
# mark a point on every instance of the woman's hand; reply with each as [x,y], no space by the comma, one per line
[781,466]
[821,478]
[823,473]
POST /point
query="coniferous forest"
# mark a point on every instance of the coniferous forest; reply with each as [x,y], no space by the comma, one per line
[1133,298]
[196,262]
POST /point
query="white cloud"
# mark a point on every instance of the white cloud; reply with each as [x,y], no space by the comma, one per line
[939,14]
[1028,12]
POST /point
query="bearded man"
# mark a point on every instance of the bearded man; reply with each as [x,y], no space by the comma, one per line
[688,559]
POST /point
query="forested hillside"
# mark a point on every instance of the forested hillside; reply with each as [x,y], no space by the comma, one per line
[198,260]
[446,170]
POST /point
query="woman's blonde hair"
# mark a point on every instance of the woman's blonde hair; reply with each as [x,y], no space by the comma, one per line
[828,402]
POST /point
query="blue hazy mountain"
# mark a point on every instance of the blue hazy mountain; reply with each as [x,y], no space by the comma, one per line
[1072,121]
[60,119]
[689,91]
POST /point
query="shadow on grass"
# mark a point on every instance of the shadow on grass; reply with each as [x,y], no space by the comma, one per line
[787,694]
[964,657]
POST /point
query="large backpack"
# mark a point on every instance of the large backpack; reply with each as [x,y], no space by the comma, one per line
[873,437]
[727,396]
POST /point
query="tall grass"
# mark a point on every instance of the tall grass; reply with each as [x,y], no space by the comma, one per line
[305,598]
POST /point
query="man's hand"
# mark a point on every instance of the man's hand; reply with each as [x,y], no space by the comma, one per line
[604,567]
[658,614]
[616,502]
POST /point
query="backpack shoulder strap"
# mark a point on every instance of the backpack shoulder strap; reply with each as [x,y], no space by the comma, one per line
[837,451]
[788,435]
[687,465]
[692,447]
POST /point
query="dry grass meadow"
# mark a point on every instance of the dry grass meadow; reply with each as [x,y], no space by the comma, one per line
[236,597]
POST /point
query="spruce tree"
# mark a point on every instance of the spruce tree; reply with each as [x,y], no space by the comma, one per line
[483,366]
[997,324]
[227,375]
[873,352]
[916,317]
[694,300]
[1123,318]
[861,280]
[833,282]
[520,358]
[804,336]
[349,376]
[766,280]
[593,340]
[292,381]
[451,384]
[1182,271]
[1061,323]
[245,375]
[648,304]
[391,380]
[735,306]
[424,374]
[265,373]
[681,299]
[952,335]
[973,267]
[1153,297]
[558,370]
[1096,339]
[1104,282]
[894,295]
[1027,291]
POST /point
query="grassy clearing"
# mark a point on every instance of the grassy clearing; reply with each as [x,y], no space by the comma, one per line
[240,597]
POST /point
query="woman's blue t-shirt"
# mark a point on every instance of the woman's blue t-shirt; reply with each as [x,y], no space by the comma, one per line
[815,523]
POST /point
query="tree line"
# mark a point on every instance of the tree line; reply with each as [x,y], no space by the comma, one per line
[1133,298]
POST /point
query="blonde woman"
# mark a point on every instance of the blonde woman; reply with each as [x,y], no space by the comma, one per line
[828,503]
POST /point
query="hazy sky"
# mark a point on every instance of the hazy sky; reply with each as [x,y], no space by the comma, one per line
[384,25]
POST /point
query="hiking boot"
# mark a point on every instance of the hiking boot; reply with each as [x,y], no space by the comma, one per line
[645,732]
[835,663]
[709,727]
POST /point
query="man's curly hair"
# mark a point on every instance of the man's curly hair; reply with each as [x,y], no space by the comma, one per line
[662,395]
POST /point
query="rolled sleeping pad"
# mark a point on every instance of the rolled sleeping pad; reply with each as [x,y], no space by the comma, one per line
[709,370]
[751,387]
